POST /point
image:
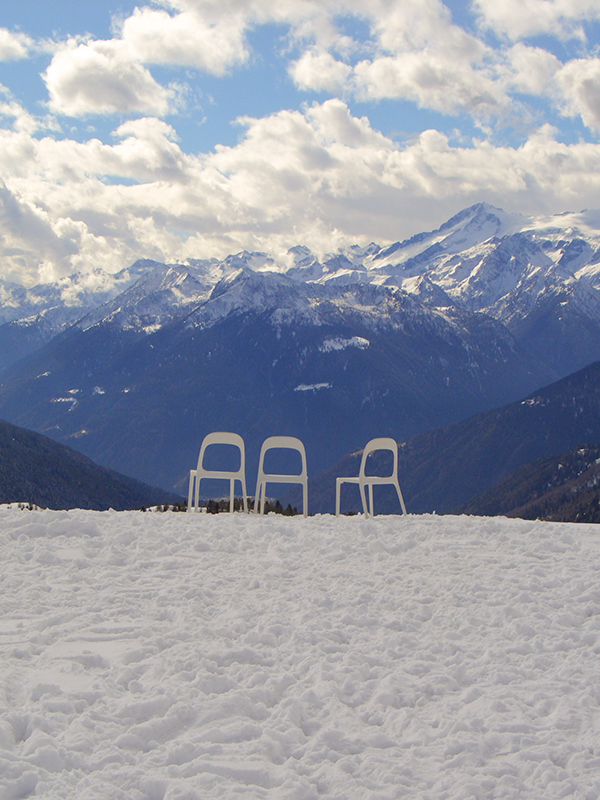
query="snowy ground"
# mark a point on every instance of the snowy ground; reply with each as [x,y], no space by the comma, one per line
[151,656]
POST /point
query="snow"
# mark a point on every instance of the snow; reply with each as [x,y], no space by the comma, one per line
[164,656]
[341,343]
[71,400]
[312,387]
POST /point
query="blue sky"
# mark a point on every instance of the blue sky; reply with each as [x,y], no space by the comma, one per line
[189,128]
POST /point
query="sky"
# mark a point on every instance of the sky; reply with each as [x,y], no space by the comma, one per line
[174,129]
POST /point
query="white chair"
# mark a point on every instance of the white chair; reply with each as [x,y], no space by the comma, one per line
[363,480]
[287,443]
[200,472]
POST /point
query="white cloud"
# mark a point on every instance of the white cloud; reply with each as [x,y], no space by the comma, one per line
[9,108]
[433,81]
[579,83]
[100,77]
[532,69]
[419,55]
[188,39]
[320,71]
[320,175]
[28,238]
[518,19]
[413,52]
[211,34]
[13,46]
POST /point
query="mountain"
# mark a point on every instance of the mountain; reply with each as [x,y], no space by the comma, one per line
[35,469]
[30,317]
[562,488]
[134,368]
[540,277]
[443,470]
[137,385]
[537,276]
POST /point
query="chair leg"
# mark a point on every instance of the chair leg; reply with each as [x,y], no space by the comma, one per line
[363,497]
[338,491]
[371,503]
[197,494]
[231,494]
[191,489]
[305,498]
[402,506]
[259,502]
[263,498]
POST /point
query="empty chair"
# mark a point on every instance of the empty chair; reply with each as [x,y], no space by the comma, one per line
[200,472]
[363,480]
[287,443]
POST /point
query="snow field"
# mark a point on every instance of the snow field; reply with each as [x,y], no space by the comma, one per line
[184,657]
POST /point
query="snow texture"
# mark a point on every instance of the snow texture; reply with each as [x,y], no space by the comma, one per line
[312,387]
[164,656]
[339,343]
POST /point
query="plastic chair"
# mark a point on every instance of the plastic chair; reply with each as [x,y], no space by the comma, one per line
[363,480]
[287,443]
[200,472]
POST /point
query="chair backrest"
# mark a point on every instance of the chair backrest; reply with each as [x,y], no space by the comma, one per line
[222,437]
[382,443]
[196,475]
[286,443]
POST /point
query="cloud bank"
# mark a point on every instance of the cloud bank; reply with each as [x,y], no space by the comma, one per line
[318,177]
[318,172]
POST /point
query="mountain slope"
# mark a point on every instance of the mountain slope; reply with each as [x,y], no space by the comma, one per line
[35,469]
[564,488]
[538,276]
[442,470]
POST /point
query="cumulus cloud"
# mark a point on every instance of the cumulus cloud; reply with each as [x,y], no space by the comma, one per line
[29,238]
[320,71]
[22,119]
[418,54]
[319,175]
[13,46]
[187,39]
[533,69]
[579,83]
[518,19]
[431,81]
[100,77]
[413,51]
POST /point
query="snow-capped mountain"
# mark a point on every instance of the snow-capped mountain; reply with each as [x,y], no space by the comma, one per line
[29,317]
[135,367]
[540,277]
